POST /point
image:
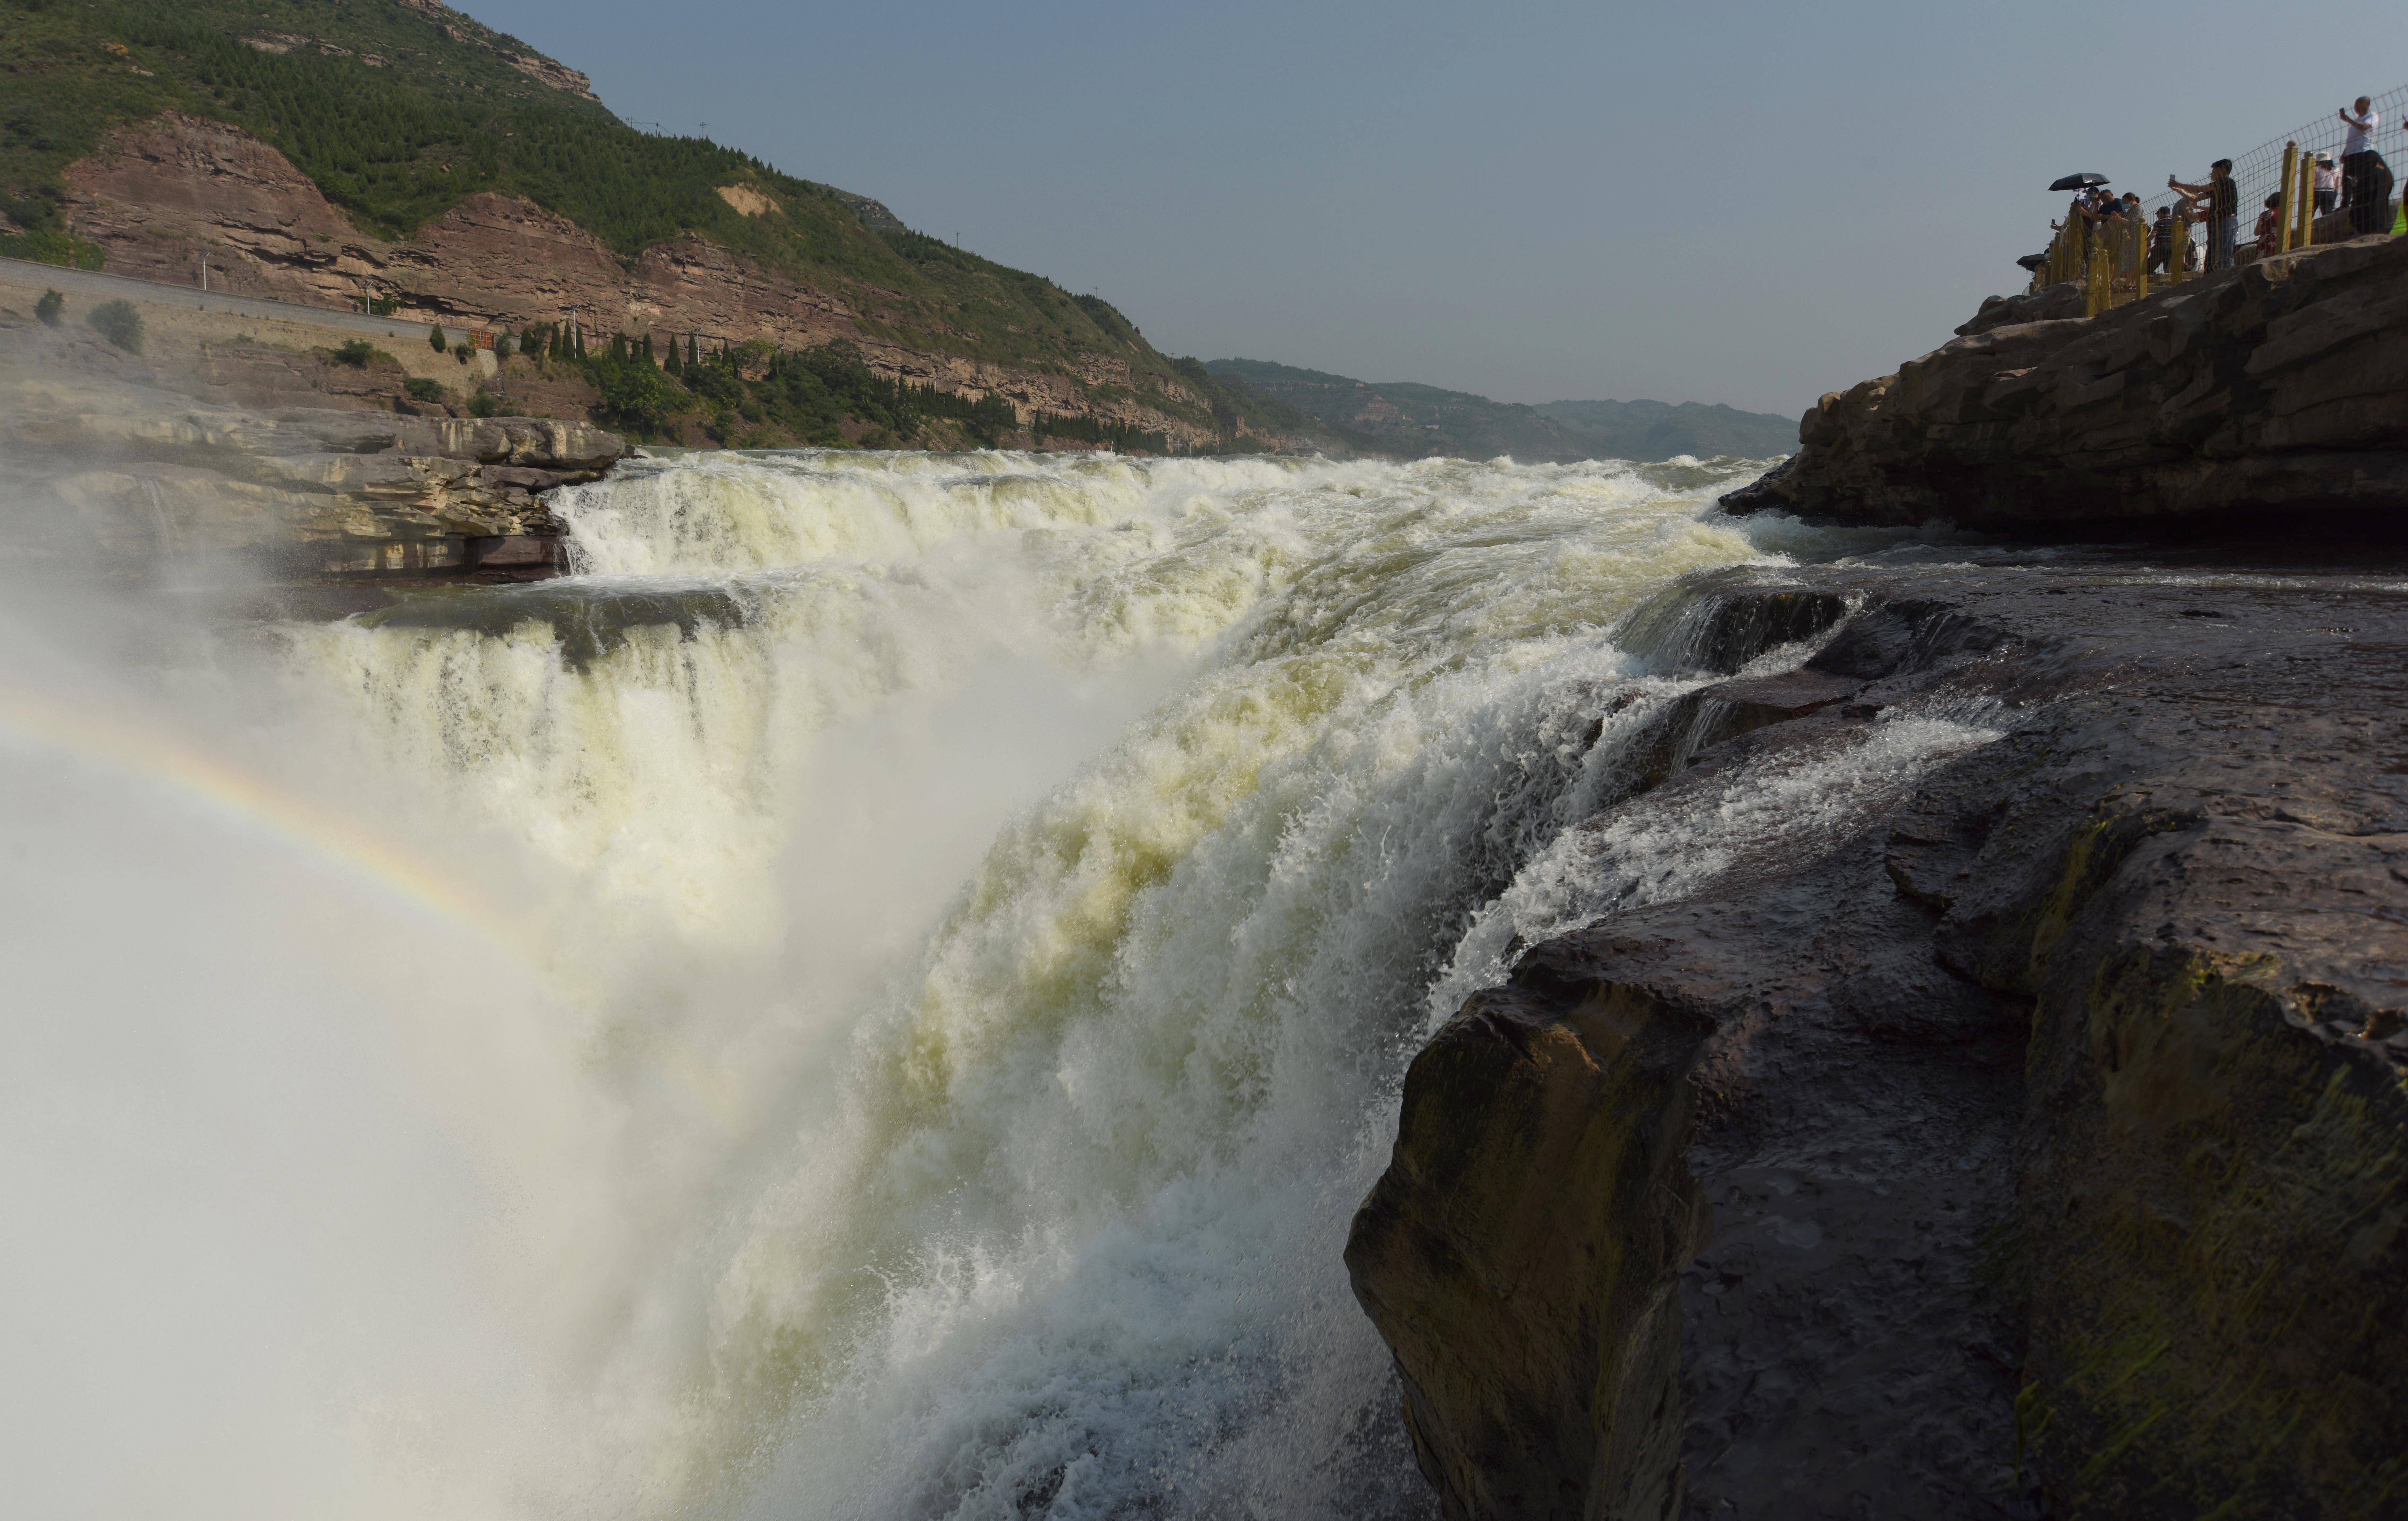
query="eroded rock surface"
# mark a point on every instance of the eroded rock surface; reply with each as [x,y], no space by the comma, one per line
[2274,393]
[2022,1133]
[135,483]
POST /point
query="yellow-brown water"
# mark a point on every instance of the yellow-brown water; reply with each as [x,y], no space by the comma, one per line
[899,980]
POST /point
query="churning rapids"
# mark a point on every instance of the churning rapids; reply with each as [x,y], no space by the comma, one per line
[877,997]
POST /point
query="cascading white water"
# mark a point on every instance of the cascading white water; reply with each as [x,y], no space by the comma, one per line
[975,916]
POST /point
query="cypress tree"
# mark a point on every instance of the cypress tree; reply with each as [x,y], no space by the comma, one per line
[435,337]
[580,345]
[693,350]
[647,349]
[675,365]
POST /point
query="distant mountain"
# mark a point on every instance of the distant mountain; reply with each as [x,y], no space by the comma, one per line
[1659,429]
[1418,419]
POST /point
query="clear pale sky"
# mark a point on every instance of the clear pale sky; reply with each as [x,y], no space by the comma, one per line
[1743,203]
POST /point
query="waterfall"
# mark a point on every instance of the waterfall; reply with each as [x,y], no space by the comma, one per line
[946,935]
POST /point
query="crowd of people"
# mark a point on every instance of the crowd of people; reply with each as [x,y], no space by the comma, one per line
[2359,184]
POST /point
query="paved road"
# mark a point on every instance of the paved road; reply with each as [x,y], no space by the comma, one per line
[90,282]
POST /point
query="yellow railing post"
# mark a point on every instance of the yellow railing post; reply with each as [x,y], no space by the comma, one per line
[2097,280]
[2291,183]
[2140,256]
[2306,200]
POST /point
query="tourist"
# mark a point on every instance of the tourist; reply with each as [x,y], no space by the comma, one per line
[2328,190]
[2223,198]
[2269,228]
[2161,241]
[2366,179]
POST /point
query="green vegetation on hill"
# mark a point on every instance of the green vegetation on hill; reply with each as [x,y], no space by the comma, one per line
[754,395]
[1402,417]
[399,109]
[1659,429]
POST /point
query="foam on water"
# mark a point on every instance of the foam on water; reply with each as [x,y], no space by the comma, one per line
[981,939]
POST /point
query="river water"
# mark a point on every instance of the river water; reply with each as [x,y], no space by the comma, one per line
[877,997]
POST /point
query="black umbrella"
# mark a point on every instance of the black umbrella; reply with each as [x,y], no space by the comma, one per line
[2079,182]
[2031,261]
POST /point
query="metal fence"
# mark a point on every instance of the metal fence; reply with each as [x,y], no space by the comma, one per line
[2114,259]
[2258,173]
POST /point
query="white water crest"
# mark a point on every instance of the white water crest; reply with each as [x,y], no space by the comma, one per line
[936,943]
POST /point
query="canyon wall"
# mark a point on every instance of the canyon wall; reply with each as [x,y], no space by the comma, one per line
[165,195]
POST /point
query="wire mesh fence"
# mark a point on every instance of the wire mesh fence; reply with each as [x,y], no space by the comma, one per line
[2258,173]
[2287,192]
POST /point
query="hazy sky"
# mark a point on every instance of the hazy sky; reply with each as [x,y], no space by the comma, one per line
[1744,203]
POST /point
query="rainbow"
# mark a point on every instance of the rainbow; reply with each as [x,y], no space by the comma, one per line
[175,765]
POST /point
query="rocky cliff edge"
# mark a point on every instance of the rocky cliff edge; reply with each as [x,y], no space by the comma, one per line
[134,482]
[2276,395]
[2023,1135]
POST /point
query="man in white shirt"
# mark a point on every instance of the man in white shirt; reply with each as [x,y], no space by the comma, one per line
[2362,170]
[2361,117]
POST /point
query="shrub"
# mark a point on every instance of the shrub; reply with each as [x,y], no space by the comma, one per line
[49,308]
[503,347]
[423,389]
[435,337]
[358,354]
[636,397]
[460,352]
[483,404]
[47,245]
[120,323]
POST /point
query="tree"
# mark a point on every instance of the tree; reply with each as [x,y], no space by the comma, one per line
[435,337]
[120,323]
[49,308]
[647,349]
[637,397]
[693,350]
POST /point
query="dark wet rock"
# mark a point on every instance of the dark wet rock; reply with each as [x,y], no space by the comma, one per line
[2274,395]
[2033,1135]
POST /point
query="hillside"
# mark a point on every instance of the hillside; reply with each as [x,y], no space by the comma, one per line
[1660,429]
[1408,418]
[398,152]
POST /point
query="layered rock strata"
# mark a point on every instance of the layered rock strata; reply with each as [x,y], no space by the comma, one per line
[2276,395]
[137,483]
[165,195]
[2024,1133]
